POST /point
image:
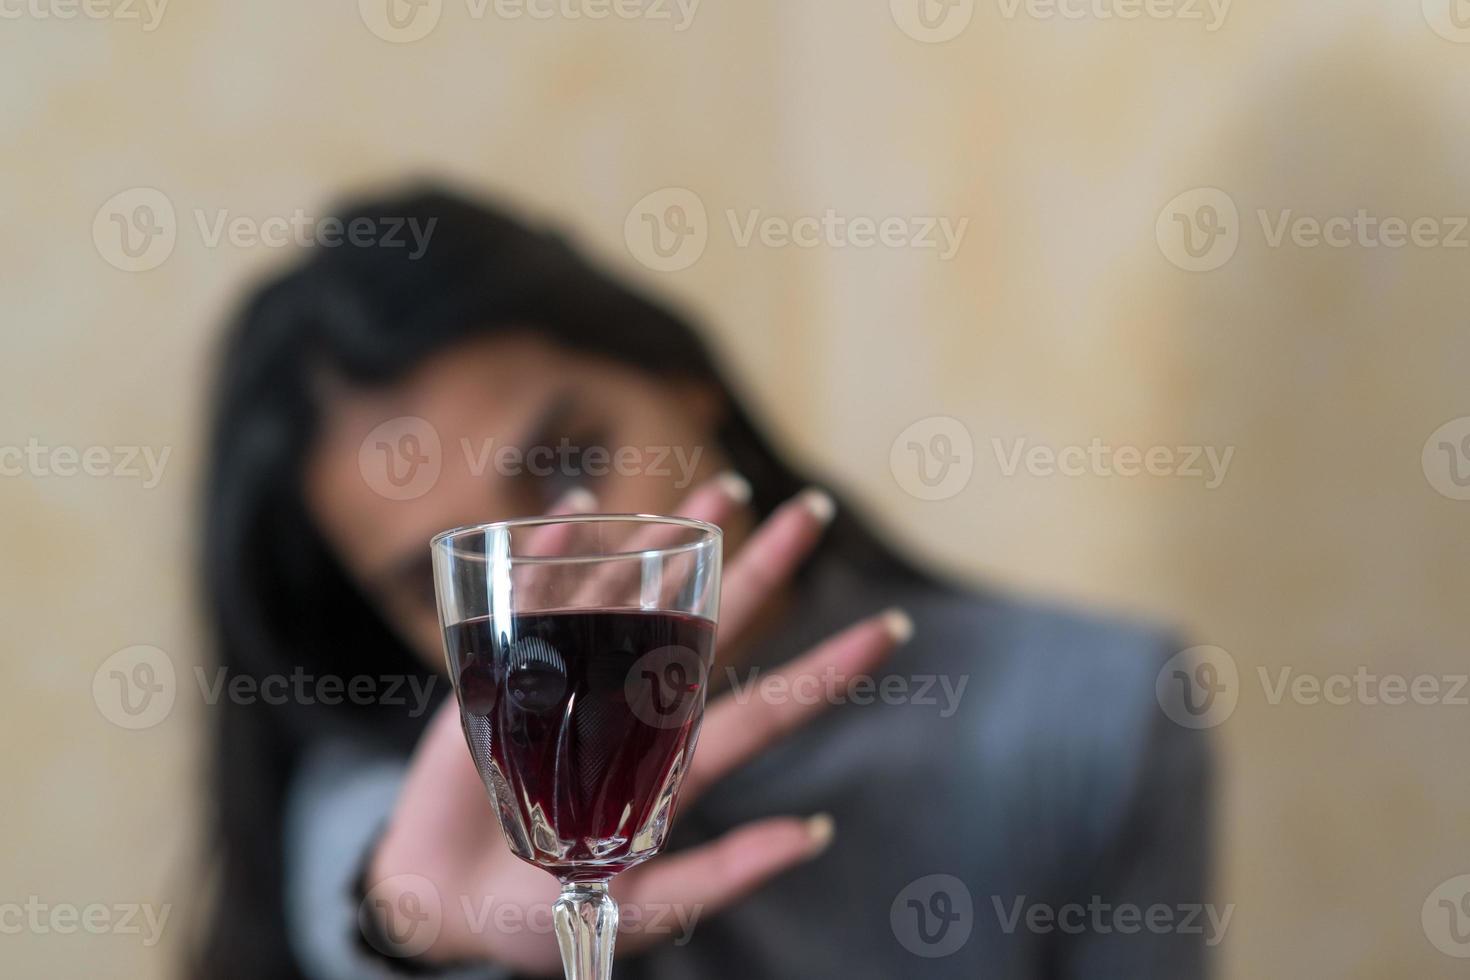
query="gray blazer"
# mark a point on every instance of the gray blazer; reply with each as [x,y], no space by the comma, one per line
[1010,802]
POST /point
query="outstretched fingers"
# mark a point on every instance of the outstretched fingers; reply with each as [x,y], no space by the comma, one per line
[744,721]
[680,889]
[772,554]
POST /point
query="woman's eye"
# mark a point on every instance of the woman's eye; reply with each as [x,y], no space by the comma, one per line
[567,462]
[552,488]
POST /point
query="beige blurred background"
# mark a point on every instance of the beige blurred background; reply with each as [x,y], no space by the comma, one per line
[1333,544]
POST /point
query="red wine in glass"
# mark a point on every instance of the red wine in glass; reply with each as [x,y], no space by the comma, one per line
[581,723]
[580,652]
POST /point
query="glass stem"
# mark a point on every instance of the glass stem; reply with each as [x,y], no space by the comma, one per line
[586,926]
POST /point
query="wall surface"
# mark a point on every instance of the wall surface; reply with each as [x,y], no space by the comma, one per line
[1081,162]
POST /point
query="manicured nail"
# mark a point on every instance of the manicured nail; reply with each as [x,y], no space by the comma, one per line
[820,503]
[820,829]
[578,500]
[900,625]
[735,486]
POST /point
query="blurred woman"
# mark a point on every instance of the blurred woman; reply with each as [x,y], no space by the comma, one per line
[1016,756]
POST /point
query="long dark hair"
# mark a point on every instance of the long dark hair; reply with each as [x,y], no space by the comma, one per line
[370,313]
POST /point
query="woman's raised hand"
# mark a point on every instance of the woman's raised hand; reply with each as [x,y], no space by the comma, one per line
[444,836]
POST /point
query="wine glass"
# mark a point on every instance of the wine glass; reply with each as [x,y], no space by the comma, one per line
[580,651]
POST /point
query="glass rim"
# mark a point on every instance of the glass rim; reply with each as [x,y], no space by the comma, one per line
[712,532]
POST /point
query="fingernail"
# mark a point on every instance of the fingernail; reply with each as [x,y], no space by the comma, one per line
[578,500]
[735,486]
[820,829]
[820,503]
[900,625]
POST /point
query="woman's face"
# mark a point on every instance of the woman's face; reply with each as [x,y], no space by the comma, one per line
[512,424]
